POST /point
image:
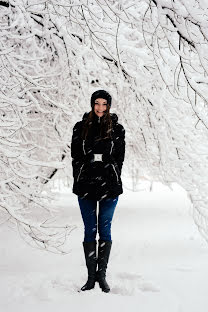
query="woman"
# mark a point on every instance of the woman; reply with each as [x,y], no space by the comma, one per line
[97,151]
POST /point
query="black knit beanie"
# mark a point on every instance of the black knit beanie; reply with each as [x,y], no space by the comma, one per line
[101,94]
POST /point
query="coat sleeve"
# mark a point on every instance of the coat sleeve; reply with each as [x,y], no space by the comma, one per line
[120,145]
[76,149]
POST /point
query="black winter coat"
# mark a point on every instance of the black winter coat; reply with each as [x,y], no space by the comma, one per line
[98,179]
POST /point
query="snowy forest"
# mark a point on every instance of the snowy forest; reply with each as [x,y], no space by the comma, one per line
[151,55]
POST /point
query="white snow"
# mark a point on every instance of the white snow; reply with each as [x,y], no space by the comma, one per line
[158,260]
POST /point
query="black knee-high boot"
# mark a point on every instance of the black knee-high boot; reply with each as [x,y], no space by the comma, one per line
[104,249]
[91,263]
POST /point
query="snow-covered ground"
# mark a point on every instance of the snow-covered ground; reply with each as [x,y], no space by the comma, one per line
[158,261]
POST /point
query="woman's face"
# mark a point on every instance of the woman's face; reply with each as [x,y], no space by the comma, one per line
[100,107]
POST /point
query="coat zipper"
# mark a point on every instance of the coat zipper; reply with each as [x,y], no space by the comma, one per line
[115,172]
[79,173]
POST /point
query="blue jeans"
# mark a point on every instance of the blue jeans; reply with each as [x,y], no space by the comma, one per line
[88,209]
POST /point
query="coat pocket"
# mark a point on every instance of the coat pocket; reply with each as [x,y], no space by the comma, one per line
[116,173]
[80,171]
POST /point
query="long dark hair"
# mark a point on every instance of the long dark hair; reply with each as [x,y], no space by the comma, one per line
[106,125]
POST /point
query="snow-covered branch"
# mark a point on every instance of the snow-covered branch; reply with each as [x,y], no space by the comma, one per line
[151,55]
